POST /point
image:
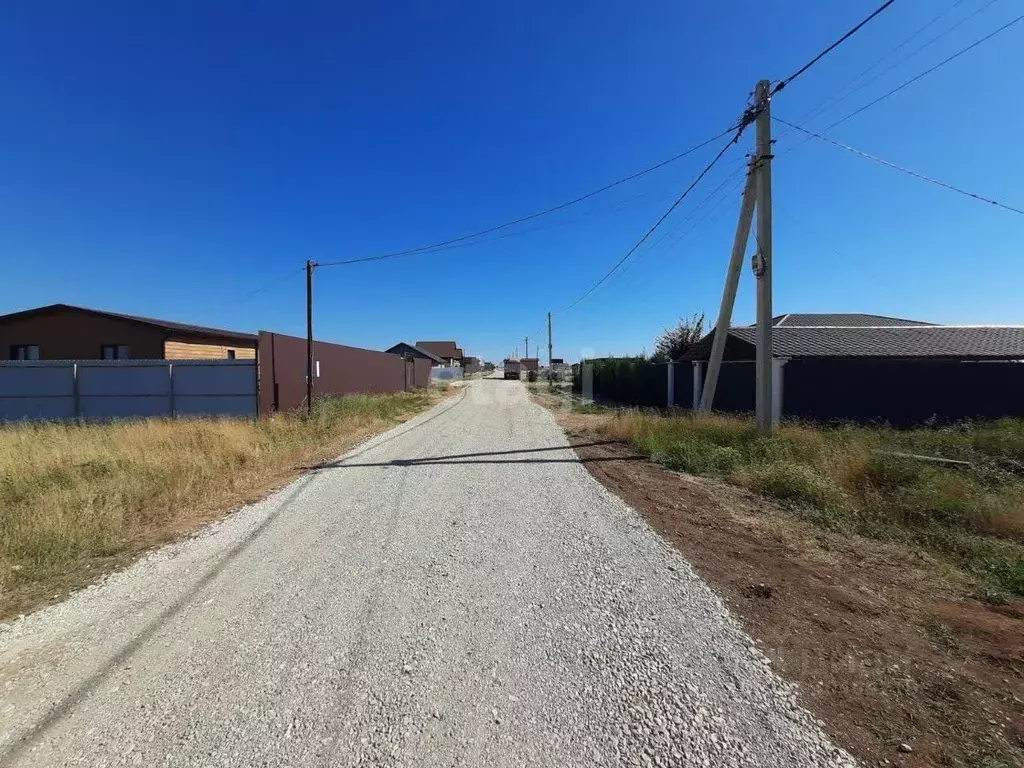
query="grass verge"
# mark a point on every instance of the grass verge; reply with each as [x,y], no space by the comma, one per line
[847,479]
[80,500]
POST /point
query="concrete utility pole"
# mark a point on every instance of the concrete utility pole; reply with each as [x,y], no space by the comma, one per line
[732,280]
[527,355]
[549,339]
[763,265]
[310,265]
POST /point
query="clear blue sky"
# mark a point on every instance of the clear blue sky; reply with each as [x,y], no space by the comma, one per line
[168,158]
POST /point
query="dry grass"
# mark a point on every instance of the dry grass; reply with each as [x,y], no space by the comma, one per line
[78,500]
[843,479]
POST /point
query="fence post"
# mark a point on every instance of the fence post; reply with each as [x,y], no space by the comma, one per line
[74,392]
[588,383]
[170,375]
[698,382]
[671,385]
[778,366]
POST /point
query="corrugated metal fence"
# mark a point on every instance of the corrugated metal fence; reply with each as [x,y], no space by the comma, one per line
[900,392]
[341,370]
[98,390]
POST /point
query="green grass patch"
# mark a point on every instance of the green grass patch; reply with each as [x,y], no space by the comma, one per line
[846,479]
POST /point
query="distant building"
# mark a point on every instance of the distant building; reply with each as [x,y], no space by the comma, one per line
[403,348]
[530,363]
[448,351]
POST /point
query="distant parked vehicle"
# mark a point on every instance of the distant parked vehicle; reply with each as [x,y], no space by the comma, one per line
[513,369]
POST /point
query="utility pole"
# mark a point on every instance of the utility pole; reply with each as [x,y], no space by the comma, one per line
[310,265]
[549,339]
[732,280]
[527,355]
[763,264]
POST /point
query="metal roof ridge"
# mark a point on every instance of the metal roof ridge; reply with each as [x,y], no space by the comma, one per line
[875,327]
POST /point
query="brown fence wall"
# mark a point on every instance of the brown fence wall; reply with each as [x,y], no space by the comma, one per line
[343,370]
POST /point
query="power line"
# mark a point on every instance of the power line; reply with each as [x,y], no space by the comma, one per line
[540,227]
[889,164]
[928,71]
[747,118]
[671,233]
[850,33]
[912,80]
[444,244]
[252,294]
[843,93]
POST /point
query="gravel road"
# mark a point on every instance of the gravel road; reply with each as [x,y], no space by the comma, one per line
[456,592]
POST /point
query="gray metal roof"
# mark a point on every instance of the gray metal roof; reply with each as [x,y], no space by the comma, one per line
[839,319]
[948,341]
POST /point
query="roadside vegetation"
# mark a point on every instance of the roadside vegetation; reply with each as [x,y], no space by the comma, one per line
[851,479]
[79,500]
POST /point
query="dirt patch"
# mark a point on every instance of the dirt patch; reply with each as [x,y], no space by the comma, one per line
[884,643]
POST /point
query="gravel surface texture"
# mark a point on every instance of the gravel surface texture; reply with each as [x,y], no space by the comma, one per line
[456,592]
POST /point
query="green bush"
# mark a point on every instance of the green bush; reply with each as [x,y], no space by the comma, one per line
[795,482]
[531,376]
[893,471]
[699,458]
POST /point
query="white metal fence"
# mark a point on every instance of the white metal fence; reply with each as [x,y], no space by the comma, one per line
[98,390]
[446,372]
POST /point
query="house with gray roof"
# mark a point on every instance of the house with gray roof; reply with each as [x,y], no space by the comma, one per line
[863,367]
[404,349]
[871,336]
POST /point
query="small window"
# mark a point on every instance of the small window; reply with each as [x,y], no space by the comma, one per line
[115,352]
[24,352]
[231,354]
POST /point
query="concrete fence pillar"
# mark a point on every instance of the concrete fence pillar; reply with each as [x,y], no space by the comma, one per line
[698,382]
[778,367]
[671,385]
[588,383]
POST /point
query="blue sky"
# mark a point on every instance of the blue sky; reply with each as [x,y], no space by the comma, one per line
[170,158]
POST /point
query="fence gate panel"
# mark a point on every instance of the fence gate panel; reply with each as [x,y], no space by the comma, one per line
[120,389]
[214,388]
[37,390]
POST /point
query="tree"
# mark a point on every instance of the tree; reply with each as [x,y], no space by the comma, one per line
[674,343]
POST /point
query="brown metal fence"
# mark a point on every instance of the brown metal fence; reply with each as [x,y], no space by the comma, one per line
[343,370]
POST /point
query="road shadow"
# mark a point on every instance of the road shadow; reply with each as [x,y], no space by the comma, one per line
[483,457]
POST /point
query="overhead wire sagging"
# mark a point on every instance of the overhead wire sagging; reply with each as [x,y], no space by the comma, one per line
[909,172]
[444,244]
[747,118]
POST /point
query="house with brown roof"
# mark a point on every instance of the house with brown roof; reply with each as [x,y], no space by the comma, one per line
[448,351]
[67,332]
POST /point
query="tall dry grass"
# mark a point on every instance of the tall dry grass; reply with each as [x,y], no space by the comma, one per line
[76,500]
[847,478]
